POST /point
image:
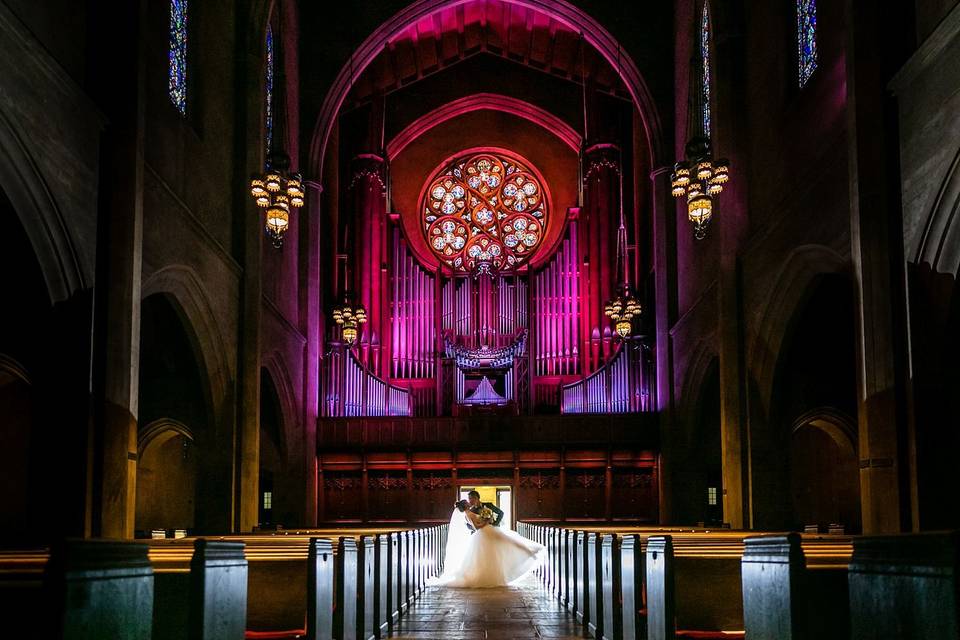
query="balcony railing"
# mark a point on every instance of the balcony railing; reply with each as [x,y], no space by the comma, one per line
[620,386]
[349,389]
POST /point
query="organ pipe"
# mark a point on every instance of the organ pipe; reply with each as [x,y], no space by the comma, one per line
[556,309]
[413,310]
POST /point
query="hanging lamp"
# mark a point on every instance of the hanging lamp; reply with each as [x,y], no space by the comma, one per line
[348,313]
[277,190]
[698,177]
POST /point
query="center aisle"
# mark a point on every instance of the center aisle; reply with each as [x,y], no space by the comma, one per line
[523,610]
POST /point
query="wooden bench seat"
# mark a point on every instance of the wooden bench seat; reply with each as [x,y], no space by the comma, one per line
[905,586]
[83,589]
[795,589]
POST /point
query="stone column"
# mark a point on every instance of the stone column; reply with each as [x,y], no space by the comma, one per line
[119,261]
[730,221]
[598,248]
[249,231]
[665,283]
[312,322]
[876,243]
[368,186]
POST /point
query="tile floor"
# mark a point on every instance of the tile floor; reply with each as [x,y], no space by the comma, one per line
[524,610]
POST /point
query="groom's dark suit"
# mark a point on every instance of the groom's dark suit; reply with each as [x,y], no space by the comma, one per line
[496,510]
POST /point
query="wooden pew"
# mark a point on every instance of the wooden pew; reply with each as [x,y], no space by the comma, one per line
[679,587]
[320,589]
[100,588]
[383,600]
[905,586]
[22,590]
[347,571]
[787,596]
[583,586]
[406,558]
[81,589]
[632,604]
[573,571]
[594,592]
[207,598]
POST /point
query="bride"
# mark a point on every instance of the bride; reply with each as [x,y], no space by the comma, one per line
[488,557]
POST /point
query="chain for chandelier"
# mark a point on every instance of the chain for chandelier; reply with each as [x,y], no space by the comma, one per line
[349,315]
[699,178]
[277,190]
[624,306]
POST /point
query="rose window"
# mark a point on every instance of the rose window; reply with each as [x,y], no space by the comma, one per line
[484,211]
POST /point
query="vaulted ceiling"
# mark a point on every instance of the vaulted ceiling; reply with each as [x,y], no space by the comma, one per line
[497,28]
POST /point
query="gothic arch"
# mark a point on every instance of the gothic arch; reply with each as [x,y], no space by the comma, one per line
[940,242]
[276,368]
[836,424]
[593,32]
[489,101]
[790,287]
[705,355]
[183,285]
[164,428]
[11,369]
[33,202]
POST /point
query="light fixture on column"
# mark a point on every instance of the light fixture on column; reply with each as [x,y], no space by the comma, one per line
[699,179]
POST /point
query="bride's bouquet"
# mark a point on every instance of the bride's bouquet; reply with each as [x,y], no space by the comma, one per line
[486,514]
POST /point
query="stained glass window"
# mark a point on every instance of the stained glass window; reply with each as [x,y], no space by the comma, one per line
[705,56]
[484,211]
[806,39]
[177,85]
[269,90]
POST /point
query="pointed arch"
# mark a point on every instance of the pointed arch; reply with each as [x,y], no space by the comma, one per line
[940,242]
[183,285]
[275,366]
[563,11]
[790,287]
[41,218]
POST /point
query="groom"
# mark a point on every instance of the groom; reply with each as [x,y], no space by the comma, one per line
[473,500]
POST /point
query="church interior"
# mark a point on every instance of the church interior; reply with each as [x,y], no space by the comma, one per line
[673,284]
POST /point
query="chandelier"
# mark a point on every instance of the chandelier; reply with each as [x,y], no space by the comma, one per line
[699,178]
[622,309]
[276,191]
[349,316]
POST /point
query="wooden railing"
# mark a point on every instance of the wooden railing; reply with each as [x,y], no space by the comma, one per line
[349,389]
[621,386]
[448,432]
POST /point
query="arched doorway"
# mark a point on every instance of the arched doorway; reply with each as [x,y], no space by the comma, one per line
[173,417]
[698,480]
[272,465]
[812,413]
[824,487]
[166,477]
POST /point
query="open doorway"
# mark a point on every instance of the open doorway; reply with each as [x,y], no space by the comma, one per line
[500,495]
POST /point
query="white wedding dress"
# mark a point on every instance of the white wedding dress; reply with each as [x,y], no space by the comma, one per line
[490,557]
